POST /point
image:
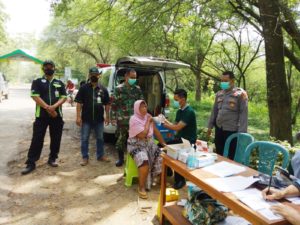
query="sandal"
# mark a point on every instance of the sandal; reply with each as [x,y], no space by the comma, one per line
[156,181]
[142,194]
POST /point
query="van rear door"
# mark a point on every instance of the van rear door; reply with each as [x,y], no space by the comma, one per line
[151,62]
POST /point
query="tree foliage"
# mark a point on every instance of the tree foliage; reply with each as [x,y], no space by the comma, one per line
[3,18]
[209,35]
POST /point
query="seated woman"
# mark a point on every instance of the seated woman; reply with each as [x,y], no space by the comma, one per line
[141,147]
[288,212]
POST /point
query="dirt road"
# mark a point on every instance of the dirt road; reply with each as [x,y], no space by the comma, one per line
[69,194]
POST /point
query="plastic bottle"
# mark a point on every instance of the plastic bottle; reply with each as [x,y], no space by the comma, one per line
[191,160]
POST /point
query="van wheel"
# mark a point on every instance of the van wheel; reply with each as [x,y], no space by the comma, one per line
[6,96]
[109,138]
[0,97]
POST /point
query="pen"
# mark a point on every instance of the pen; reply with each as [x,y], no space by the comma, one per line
[270,181]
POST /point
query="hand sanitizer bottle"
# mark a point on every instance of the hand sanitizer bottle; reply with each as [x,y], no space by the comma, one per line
[191,160]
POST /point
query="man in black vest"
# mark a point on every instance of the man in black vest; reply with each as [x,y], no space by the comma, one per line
[90,99]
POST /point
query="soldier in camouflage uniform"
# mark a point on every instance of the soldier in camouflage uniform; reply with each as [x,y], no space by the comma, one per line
[122,109]
[229,114]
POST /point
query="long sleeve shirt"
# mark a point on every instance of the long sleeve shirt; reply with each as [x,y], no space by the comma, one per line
[230,111]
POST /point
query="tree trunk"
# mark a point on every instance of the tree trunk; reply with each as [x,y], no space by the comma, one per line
[244,82]
[198,86]
[277,90]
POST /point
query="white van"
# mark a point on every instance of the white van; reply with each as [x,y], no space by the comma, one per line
[150,77]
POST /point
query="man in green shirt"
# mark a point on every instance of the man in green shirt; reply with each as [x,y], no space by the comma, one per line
[185,125]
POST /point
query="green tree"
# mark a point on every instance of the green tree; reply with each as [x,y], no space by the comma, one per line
[235,50]
[3,18]
[275,20]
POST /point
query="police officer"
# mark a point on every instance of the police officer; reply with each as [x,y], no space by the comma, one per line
[90,99]
[49,94]
[229,114]
[122,109]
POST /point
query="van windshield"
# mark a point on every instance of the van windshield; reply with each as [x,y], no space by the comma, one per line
[106,72]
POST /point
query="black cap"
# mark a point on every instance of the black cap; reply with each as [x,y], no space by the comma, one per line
[48,62]
[94,70]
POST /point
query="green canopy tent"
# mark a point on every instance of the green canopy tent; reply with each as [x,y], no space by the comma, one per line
[20,56]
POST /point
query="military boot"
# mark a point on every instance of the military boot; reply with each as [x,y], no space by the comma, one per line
[120,162]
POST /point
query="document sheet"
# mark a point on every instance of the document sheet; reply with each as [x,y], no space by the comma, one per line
[253,198]
[230,184]
[224,169]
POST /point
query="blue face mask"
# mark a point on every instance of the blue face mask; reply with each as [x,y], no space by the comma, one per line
[225,85]
[131,81]
[176,104]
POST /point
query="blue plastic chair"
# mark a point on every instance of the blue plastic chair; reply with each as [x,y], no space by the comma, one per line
[243,140]
[267,155]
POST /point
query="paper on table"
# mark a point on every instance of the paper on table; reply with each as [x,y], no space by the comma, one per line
[257,203]
[269,214]
[224,169]
[247,193]
[295,200]
[230,184]
[230,220]
[253,198]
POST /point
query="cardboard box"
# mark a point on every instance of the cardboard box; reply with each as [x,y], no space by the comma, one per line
[175,149]
[183,157]
[204,159]
[201,146]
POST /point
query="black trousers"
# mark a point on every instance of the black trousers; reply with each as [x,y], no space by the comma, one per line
[220,139]
[39,130]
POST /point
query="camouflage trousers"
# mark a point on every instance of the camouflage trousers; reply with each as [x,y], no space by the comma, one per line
[121,136]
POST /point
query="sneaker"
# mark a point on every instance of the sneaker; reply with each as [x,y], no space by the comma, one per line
[103,159]
[178,185]
[119,163]
[52,163]
[28,169]
[84,162]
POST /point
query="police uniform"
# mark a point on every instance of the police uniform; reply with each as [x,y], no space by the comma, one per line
[229,116]
[92,115]
[50,92]
[122,109]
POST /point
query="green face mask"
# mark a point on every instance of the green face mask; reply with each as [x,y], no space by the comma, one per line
[225,85]
[131,81]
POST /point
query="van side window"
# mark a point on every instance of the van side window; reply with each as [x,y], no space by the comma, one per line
[105,77]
